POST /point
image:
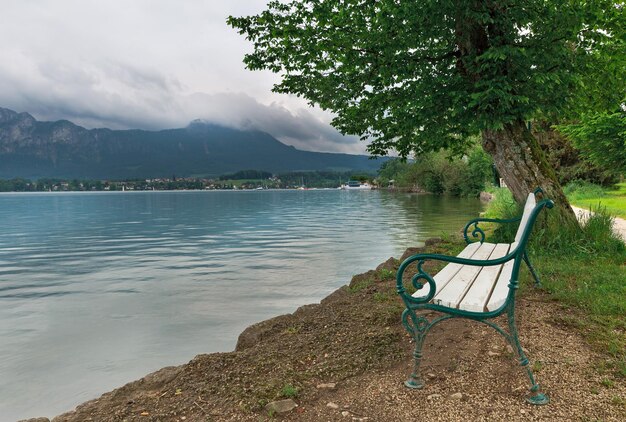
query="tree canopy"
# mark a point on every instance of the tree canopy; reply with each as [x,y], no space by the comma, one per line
[416,76]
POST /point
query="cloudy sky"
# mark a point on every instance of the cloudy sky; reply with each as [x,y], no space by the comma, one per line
[149,64]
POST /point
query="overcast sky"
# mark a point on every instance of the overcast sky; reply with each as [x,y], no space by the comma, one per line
[148,64]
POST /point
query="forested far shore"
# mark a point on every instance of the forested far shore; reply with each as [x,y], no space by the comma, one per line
[248,179]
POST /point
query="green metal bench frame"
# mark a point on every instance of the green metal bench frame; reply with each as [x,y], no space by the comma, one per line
[418,325]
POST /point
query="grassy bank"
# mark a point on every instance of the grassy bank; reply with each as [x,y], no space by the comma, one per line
[585,195]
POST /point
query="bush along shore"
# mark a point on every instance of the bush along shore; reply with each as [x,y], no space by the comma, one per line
[346,359]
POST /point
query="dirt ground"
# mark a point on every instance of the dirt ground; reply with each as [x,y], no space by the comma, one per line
[354,340]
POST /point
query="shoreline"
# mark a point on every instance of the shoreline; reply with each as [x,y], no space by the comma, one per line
[246,340]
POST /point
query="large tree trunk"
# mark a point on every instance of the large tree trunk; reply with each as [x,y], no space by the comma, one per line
[524,167]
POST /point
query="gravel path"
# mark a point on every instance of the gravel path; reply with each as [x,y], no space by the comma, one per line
[619,226]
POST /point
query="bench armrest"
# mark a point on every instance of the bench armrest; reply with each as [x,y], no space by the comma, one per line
[477,231]
[422,277]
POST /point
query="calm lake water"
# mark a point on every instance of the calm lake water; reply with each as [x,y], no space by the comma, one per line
[98,289]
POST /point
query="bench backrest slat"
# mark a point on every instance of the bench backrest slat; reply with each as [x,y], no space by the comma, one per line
[528,209]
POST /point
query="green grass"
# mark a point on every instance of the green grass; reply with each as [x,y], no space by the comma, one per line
[594,286]
[618,401]
[360,285]
[384,297]
[502,205]
[581,189]
[292,330]
[289,391]
[386,274]
[586,196]
[549,233]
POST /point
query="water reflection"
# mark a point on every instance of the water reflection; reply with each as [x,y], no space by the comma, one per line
[421,216]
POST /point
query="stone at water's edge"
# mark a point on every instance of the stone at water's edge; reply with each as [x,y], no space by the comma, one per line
[390,264]
[486,196]
[35,420]
[432,241]
[256,332]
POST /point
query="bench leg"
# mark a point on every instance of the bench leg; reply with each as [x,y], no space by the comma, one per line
[415,380]
[537,397]
[532,270]
[418,327]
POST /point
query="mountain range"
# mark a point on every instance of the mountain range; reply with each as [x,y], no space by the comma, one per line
[36,149]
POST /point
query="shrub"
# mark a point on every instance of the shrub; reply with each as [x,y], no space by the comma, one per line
[601,137]
[439,173]
[479,171]
[581,189]
[503,206]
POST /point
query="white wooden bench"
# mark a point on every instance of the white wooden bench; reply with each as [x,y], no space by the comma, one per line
[478,284]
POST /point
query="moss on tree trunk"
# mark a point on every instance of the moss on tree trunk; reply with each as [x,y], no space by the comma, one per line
[524,167]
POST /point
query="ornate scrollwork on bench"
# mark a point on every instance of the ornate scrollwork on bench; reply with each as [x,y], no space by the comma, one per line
[477,231]
[417,283]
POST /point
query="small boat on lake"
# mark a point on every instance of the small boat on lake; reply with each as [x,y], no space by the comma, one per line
[356,185]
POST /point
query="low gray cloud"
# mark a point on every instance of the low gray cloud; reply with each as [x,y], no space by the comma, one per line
[134,98]
[301,127]
[149,64]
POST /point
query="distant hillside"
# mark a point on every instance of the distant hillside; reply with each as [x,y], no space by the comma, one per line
[34,149]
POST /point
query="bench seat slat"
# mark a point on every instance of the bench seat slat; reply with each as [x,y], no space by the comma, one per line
[449,271]
[451,294]
[476,297]
[474,288]
[501,289]
[528,209]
